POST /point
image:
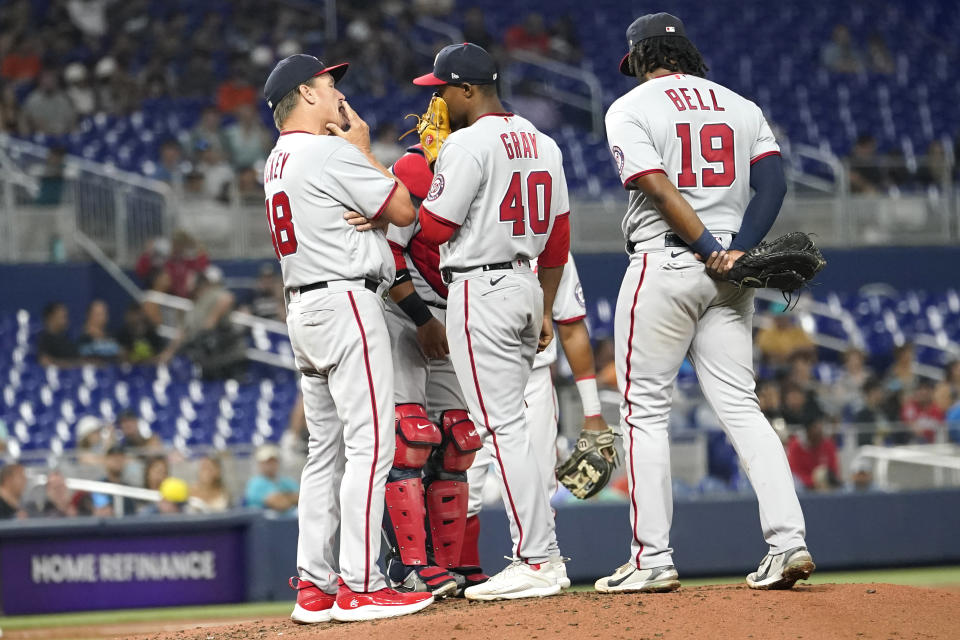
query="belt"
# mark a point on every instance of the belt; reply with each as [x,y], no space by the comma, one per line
[370,284]
[447,273]
[670,240]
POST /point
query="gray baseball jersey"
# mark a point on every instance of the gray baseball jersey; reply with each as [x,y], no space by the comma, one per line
[702,135]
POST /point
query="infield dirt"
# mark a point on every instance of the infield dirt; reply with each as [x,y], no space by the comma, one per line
[808,612]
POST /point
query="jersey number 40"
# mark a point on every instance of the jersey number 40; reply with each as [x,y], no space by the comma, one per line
[722,155]
[539,192]
[280,223]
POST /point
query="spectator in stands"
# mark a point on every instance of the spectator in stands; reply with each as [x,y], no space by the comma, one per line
[266,299]
[96,345]
[933,169]
[156,469]
[199,77]
[79,90]
[59,501]
[861,475]
[475,29]
[217,175]
[921,413]
[13,482]
[840,55]
[52,179]
[782,340]
[135,433]
[871,420]
[209,487]
[268,489]
[248,140]
[236,91]
[23,61]
[534,106]
[799,405]
[208,132]
[530,35]
[139,338]
[564,44]
[249,187]
[901,376]
[208,338]
[188,259]
[115,465]
[54,346]
[846,393]
[171,168]
[157,315]
[48,109]
[91,435]
[867,173]
[153,259]
[813,458]
[879,59]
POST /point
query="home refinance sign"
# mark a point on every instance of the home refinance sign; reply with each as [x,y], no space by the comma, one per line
[69,574]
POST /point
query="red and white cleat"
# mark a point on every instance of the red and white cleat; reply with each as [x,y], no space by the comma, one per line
[313,605]
[352,606]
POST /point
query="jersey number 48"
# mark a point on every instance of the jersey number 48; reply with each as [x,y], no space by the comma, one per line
[539,192]
[280,224]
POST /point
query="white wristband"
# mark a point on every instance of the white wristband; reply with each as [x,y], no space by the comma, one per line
[589,396]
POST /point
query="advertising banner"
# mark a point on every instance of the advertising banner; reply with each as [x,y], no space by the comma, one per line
[48,574]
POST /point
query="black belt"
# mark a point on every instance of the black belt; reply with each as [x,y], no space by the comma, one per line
[369,283]
[669,240]
[447,273]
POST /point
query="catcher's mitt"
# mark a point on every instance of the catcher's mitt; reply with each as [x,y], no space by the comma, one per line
[787,263]
[590,465]
[433,128]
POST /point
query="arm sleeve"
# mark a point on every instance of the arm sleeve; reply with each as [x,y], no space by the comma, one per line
[414,172]
[458,175]
[569,305]
[351,180]
[433,228]
[632,147]
[557,249]
[770,186]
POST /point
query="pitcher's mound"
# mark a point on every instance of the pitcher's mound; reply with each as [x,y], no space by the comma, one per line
[808,612]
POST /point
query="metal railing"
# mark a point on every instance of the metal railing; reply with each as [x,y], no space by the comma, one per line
[549,71]
[44,204]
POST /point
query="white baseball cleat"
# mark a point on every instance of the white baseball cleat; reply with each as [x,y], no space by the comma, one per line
[517,580]
[560,568]
[782,570]
[629,578]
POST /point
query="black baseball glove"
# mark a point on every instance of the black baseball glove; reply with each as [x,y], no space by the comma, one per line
[787,263]
[590,465]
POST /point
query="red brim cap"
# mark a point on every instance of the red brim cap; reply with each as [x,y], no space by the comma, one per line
[625,65]
[337,71]
[428,80]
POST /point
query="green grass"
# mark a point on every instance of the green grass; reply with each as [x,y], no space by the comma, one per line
[918,577]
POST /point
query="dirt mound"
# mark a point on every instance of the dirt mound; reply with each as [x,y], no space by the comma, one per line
[809,612]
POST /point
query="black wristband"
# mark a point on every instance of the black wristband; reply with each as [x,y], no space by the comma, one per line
[416,308]
[403,275]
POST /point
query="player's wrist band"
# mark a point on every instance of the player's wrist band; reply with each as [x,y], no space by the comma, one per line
[403,275]
[416,309]
[706,244]
[587,387]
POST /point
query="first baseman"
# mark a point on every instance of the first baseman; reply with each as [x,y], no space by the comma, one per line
[332,276]
[497,200]
[689,151]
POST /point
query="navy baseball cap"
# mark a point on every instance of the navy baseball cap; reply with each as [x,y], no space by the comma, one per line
[650,26]
[291,72]
[460,63]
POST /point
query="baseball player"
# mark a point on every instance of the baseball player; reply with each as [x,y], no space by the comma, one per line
[316,173]
[688,151]
[497,200]
[435,435]
[540,398]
